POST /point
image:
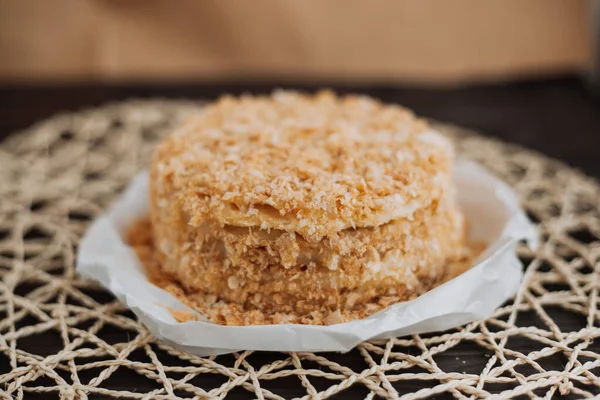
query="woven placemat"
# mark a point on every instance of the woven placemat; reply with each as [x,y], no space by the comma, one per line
[61,336]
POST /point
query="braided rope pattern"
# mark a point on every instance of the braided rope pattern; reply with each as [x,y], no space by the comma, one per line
[65,337]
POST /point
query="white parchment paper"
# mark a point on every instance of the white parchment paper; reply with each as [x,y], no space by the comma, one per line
[494,216]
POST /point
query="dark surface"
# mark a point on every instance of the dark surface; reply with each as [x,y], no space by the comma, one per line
[557,117]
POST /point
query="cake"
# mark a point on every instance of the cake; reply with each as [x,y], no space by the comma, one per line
[302,208]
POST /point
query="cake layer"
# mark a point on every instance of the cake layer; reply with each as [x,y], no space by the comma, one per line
[313,165]
[278,271]
[348,305]
[303,205]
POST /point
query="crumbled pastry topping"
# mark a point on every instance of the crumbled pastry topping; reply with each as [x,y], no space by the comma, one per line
[297,208]
[312,164]
[224,312]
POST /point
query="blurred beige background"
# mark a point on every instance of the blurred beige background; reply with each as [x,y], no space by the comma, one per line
[424,41]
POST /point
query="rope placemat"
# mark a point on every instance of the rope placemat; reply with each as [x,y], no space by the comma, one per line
[63,337]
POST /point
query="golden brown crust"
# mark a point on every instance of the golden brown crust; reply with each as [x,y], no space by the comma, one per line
[292,274]
[303,205]
[310,164]
[221,311]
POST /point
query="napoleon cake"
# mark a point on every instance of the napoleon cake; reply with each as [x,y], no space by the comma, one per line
[303,208]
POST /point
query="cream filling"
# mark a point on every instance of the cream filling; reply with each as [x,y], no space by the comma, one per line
[266,217]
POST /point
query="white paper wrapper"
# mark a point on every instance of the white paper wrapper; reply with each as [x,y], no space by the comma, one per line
[494,216]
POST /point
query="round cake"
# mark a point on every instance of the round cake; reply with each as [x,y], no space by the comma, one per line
[309,206]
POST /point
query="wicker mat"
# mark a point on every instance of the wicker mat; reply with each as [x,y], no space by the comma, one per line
[63,337]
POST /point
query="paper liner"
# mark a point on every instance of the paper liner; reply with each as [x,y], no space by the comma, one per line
[494,216]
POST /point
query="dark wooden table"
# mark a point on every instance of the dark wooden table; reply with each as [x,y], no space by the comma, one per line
[558,117]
